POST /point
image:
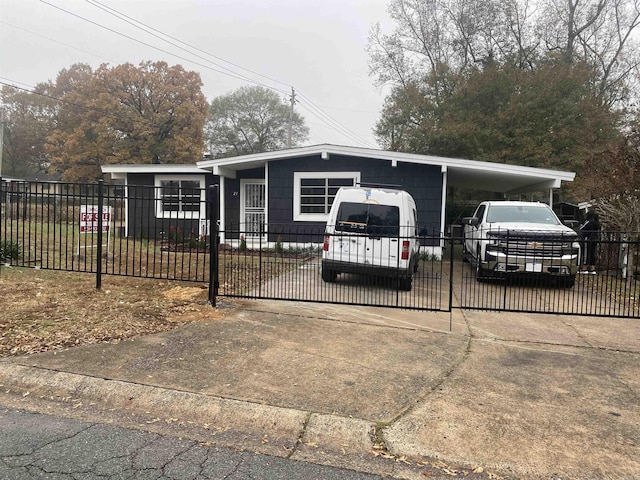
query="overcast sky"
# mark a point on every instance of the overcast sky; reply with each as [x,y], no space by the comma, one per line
[314,46]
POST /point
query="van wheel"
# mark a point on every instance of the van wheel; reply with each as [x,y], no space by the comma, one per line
[329,276]
[405,284]
[568,282]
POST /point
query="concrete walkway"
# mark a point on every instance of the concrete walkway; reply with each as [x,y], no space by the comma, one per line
[399,393]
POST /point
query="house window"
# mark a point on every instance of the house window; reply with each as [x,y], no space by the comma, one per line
[314,193]
[179,197]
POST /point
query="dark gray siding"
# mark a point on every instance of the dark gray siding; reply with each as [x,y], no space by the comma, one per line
[142,209]
[423,182]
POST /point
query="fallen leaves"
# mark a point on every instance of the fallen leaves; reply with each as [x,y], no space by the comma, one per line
[44,310]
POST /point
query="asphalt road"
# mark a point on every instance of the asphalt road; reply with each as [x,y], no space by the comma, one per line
[36,446]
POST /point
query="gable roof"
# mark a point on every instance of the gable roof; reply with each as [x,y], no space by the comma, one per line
[487,176]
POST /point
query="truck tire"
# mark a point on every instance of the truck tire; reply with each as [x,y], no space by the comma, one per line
[465,254]
[481,274]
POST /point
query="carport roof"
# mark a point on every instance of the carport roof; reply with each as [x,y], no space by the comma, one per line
[486,176]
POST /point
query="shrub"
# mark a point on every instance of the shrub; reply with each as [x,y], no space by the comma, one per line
[9,250]
[279,246]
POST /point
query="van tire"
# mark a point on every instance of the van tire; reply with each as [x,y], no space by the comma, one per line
[568,281]
[329,276]
[405,284]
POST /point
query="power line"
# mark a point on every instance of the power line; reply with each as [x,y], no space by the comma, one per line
[53,40]
[106,113]
[311,107]
[137,23]
[237,76]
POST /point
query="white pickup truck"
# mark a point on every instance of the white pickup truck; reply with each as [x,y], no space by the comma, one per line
[506,237]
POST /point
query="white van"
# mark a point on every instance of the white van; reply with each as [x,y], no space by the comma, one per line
[372,231]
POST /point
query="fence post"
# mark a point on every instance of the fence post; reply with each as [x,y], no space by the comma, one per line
[99,246]
[2,232]
[212,204]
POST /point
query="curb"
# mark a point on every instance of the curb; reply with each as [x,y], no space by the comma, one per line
[266,429]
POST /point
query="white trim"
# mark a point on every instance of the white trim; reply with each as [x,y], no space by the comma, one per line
[315,217]
[443,204]
[160,213]
[222,218]
[152,168]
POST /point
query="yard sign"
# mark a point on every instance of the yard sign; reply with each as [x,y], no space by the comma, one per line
[89,218]
[89,222]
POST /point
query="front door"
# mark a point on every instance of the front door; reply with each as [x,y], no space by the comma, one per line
[252,207]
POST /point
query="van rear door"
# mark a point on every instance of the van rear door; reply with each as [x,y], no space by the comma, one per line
[367,234]
[383,229]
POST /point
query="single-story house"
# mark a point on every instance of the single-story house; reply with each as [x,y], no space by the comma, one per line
[294,188]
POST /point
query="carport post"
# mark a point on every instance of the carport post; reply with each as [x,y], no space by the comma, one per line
[214,240]
[451,243]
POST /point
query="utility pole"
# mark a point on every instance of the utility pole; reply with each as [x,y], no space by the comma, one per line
[1,137]
[293,101]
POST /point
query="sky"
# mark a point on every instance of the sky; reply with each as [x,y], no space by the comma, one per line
[318,47]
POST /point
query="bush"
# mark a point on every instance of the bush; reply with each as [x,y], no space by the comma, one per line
[9,250]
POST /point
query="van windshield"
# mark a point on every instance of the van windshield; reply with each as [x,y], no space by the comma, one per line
[368,218]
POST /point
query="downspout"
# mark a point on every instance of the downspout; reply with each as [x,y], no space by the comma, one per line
[443,217]
[266,195]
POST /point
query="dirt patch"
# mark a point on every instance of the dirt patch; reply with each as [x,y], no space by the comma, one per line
[44,310]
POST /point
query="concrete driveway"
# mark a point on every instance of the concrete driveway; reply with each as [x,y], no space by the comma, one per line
[401,393]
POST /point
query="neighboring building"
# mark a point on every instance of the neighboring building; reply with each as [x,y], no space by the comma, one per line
[294,188]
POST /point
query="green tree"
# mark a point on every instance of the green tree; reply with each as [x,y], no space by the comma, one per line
[29,119]
[153,113]
[252,120]
[540,83]
[549,117]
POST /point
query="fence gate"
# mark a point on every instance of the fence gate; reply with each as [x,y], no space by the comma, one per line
[286,264]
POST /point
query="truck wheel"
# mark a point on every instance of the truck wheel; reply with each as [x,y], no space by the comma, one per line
[481,274]
[329,276]
[568,282]
[465,254]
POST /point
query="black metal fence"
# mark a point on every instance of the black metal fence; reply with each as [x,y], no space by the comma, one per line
[144,231]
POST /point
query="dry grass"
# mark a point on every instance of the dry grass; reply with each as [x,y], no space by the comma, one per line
[43,310]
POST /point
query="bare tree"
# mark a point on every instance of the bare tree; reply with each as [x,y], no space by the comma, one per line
[462,34]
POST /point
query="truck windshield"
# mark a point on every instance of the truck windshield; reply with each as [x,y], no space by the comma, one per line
[367,218]
[521,214]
